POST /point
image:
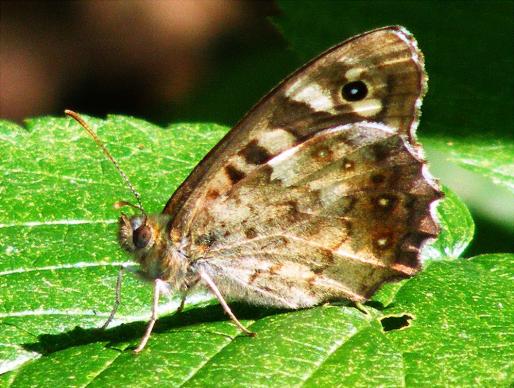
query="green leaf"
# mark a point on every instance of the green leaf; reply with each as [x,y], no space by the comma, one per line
[457,229]
[60,256]
[488,186]
[461,331]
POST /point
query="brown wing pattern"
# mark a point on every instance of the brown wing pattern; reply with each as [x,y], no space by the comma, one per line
[386,60]
[333,217]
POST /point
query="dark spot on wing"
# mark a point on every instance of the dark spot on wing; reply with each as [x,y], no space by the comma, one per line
[293,212]
[298,118]
[319,270]
[383,241]
[347,165]
[348,203]
[212,194]
[415,239]
[408,258]
[293,205]
[206,239]
[254,275]
[255,154]
[265,172]
[234,174]
[250,233]
[377,179]
[380,152]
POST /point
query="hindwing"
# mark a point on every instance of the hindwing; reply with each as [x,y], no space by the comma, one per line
[333,217]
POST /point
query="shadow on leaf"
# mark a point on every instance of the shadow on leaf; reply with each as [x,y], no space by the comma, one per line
[133,331]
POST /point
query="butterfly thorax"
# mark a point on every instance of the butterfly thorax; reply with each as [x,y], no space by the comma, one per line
[147,239]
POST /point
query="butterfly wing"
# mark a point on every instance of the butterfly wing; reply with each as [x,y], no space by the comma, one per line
[334,217]
[386,60]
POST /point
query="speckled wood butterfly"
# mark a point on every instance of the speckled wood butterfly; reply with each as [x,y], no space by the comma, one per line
[319,193]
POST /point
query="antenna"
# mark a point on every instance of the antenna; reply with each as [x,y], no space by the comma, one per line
[97,140]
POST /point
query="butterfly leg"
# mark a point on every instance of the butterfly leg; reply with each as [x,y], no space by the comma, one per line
[212,286]
[182,303]
[117,299]
[191,285]
[158,283]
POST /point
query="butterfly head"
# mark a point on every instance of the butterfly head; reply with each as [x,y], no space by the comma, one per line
[146,238]
[142,234]
[136,233]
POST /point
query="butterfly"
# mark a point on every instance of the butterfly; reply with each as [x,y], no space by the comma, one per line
[319,193]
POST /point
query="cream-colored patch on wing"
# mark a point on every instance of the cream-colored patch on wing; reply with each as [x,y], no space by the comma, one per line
[277,140]
[284,166]
[354,73]
[368,107]
[295,271]
[223,213]
[252,281]
[291,90]
[329,194]
[311,94]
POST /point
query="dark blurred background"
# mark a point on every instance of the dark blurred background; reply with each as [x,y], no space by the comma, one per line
[211,60]
[151,59]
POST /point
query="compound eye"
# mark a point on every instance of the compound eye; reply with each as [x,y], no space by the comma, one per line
[141,236]
[354,91]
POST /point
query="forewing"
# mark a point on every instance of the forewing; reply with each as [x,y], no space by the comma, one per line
[335,216]
[310,100]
